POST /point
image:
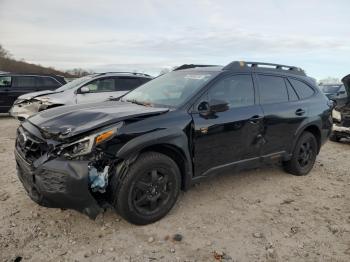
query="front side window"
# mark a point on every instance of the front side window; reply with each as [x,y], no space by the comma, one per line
[272,89]
[101,85]
[74,83]
[171,89]
[303,90]
[237,91]
[5,81]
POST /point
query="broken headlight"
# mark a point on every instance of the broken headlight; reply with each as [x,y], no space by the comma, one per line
[85,145]
[336,115]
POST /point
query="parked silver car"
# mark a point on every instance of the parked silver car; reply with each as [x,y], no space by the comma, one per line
[87,89]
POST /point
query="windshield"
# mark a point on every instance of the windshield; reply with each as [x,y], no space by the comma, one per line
[74,83]
[171,89]
[331,88]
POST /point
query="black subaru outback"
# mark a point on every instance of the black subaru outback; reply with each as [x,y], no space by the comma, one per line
[136,154]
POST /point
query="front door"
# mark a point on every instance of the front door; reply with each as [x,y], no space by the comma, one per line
[100,90]
[233,136]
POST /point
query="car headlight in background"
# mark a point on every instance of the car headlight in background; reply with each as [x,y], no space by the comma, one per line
[336,115]
[85,145]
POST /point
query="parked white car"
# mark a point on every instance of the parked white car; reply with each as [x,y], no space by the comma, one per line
[87,89]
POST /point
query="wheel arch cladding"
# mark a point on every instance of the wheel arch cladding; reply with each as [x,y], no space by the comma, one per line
[314,129]
[170,142]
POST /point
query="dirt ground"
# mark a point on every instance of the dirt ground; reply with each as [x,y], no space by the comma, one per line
[259,215]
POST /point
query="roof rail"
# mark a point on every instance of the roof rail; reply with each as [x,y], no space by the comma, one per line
[132,73]
[254,65]
[188,66]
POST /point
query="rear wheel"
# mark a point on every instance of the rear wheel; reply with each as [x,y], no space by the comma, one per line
[304,155]
[149,189]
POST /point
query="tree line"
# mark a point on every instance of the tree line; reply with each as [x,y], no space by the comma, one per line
[9,64]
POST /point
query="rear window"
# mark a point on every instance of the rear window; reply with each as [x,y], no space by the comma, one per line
[303,90]
[5,81]
[272,89]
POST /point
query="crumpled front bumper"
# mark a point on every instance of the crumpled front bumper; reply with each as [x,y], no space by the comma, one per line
[341,131]
[22,111]
[59,184]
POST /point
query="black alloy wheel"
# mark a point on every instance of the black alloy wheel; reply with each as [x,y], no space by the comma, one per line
[148,190]
[303,156]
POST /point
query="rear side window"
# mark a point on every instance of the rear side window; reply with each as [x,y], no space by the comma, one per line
[24,82]
[5,81]
[303,90]
[291,92]
[272,89]
[126,83]
[237,90]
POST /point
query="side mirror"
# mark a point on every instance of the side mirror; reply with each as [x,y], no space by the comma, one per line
[212,107]
[217,106]
[84,90]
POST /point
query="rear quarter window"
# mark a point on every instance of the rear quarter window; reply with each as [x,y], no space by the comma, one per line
[303,90]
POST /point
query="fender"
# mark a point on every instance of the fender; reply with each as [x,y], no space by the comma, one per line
[174,138]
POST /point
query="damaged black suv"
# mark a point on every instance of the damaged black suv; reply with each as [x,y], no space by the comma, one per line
[136,154]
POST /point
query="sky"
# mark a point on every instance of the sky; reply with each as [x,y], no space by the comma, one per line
[149,35]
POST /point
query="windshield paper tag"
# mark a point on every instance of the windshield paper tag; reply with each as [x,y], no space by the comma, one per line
[196,77]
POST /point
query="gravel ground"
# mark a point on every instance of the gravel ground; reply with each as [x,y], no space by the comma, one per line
[259,215]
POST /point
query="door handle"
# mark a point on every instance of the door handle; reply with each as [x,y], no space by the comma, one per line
[255,119]
[300,112]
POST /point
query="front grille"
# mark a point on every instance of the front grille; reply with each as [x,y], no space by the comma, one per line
[30,147]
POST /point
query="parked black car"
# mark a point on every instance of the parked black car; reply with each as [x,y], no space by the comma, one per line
[15,85]
[341,114]
[137,153]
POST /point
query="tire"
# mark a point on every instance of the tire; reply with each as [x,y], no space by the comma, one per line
[304,155]
[149,189]
[334,137]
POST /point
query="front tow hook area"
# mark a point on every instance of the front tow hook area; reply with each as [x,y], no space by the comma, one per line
[60,184]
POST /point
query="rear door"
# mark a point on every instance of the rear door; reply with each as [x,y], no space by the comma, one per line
[233,136]
[283,113]
[22,85]
[5,87]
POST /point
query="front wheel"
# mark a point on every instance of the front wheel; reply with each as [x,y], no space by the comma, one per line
[304,155]
[149,189]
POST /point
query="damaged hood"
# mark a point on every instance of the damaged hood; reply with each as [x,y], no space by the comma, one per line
[68,121]
[32,95]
